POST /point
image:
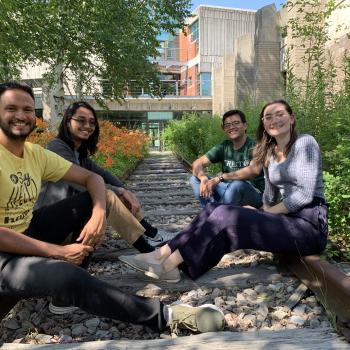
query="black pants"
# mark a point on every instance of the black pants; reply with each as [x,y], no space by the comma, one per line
[31,276]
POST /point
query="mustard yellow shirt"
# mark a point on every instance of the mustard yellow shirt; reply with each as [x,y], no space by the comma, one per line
[20,182]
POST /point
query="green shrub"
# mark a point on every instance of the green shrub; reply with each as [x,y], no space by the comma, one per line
[194,135]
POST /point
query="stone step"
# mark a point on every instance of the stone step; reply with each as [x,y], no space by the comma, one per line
[290,339]
[147,177]
[160,200]
[239,276]
[188,193]
[172,212]
[159,170]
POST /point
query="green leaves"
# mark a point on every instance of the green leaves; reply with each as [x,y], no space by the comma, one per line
[91,39]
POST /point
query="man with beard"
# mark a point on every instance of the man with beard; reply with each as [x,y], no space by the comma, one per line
[233,154]
[33,263]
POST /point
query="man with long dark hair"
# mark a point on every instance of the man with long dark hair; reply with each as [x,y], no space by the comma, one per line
[76,141]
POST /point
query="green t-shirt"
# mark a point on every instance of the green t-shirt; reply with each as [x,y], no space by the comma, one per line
[232,160]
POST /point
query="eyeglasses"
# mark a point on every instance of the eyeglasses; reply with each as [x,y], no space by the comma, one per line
[83,121]
[270,117]
[232,124]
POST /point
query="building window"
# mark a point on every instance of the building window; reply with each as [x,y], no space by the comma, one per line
[194,31]
[206,84]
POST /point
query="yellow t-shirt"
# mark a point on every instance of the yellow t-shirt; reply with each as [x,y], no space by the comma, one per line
[20,182]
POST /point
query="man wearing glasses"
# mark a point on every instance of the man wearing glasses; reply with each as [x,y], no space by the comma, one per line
[233,154]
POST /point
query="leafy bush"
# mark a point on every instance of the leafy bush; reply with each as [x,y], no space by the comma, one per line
[193,135]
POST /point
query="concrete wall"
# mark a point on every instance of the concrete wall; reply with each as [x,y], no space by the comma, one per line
[268,79]
[219,27]
[252,71]
[217,76]
[244,68]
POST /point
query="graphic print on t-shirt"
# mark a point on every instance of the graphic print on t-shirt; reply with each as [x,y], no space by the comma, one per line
[23,191]
[235,165]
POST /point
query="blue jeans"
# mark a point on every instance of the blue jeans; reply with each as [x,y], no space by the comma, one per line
[236,192]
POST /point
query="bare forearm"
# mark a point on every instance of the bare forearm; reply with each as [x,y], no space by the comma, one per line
[18,243]
[198,167]
[245,173]
[199,172]
[97,190]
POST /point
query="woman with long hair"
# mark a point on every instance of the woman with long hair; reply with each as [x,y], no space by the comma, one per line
[76,141]
[292,220]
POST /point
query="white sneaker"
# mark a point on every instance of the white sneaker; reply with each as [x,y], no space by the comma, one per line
[61,310]
[151,270]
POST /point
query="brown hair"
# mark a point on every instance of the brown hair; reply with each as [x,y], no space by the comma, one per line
[266,143]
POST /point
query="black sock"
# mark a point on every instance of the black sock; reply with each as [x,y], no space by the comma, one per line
[150,230]
[142,245]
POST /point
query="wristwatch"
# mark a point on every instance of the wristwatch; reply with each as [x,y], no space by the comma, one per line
[221,177]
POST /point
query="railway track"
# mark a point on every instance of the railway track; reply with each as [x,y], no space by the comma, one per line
[277,310]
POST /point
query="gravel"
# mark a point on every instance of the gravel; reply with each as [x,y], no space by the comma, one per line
[259,307]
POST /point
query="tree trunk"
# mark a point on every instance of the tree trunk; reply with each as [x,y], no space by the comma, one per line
[53,100]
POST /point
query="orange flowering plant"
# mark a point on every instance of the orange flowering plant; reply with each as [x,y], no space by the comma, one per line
[119,149]
[41,134]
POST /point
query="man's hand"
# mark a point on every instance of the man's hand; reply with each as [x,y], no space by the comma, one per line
[131,201]
[203,188]
[72,253]
[94,231]
[212,184]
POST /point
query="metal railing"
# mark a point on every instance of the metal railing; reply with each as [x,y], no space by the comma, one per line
[173,88]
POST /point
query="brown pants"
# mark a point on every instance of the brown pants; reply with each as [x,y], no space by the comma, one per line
[122,220]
